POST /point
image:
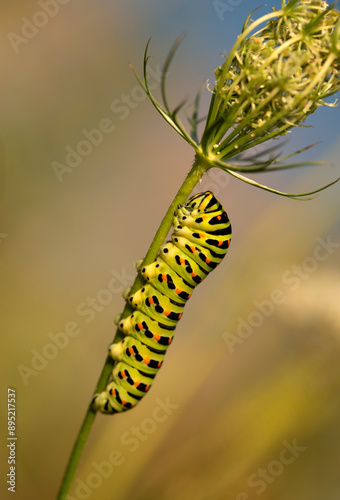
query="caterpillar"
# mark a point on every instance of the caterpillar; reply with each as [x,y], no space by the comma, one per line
[200,240]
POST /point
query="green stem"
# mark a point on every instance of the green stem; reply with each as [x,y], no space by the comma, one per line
[199,168]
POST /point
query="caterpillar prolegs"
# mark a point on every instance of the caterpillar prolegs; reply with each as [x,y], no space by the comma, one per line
[200,240]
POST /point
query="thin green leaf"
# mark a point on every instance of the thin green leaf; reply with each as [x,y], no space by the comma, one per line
[315,22]
[194,120]
[298,165]
[300,196]
[266,166]
[248,20]
[167,115]
[252,158]
[290,4]
[175,112]
[165,70]
[299,151]
[138,78]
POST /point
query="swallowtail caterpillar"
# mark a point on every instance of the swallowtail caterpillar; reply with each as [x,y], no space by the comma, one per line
[200,240]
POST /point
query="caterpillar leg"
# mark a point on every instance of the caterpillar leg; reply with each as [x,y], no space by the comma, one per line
[116,319]
[101,402]
[126,293]
[113,400]
[133,374]
[138,264]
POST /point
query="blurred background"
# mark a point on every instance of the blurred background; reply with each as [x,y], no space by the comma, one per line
[247,403]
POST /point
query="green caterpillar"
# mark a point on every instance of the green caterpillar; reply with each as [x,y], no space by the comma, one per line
[201,238]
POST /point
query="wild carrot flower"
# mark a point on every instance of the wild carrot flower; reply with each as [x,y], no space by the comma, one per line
[274,77]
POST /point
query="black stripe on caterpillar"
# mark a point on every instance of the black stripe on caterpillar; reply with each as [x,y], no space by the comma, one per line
[200,240]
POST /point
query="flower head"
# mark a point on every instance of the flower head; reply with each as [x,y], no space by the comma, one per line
[282,67]
[272,80]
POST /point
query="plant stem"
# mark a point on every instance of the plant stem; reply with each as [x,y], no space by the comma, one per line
[196,173]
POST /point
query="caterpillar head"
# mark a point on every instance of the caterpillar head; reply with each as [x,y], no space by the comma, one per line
[201,202]
[194,207]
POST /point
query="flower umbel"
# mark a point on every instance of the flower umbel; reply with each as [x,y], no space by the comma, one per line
[271,81]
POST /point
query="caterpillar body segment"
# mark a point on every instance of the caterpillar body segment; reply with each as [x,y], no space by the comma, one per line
[217,221]
[205,258]
[156,305]
[182,264]
[152,333]
[202,233]
[132,380]
[214,240]
[161,277]
[136,354]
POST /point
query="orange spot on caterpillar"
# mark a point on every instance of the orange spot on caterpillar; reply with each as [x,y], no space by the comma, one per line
[193,249]
[137,384]
[220,243]
[178,291]
[164,278]
[170,340]
[182,261]
[207,261]
[130,350]
[146,361]
[140,326]
[151,300]
[179,316]
[123,374]
[201,235]
[166,313]
[157,337]
[193,275]
[219,217]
